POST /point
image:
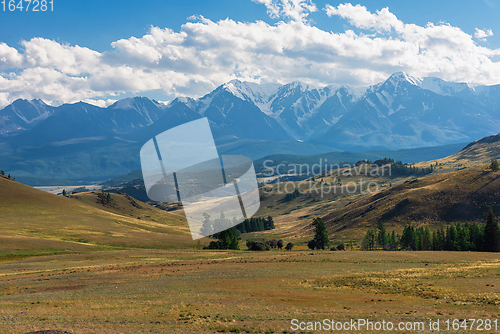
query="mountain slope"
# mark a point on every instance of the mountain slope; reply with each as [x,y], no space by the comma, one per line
[232,114]
[436,200]
[82,222]
[23,115]
[398,113]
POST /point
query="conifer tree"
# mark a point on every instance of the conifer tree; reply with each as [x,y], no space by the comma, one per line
[491,233]
[320,234]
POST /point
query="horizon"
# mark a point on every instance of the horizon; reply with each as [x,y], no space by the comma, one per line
[358,89]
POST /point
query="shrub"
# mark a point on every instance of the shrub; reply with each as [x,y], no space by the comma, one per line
[258,246]
[494,165]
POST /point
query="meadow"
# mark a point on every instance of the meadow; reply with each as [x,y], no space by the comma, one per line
[204,291]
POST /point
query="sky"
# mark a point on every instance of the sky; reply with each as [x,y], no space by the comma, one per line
[102,51]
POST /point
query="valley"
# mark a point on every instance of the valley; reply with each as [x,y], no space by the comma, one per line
[112,261]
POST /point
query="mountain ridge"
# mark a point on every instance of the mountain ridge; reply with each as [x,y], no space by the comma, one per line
[402,112]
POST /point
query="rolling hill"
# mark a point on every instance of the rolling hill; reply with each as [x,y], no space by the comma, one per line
[435,200]
[35,221]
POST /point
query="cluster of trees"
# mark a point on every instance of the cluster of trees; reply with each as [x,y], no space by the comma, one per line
[400,169]
[256,225]
[247,226]
[459,237]
[2,173]
[103,198]
[293,195]
[320,240]
[228,238]
[268,245]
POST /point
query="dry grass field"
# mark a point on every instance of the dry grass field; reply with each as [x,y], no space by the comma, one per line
[74,263]
[34,221]
[164,291]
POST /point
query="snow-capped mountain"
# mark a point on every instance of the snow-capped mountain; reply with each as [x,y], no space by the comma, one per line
[23,115]
[402,112]
[300,110]
[405,111]
[231,111]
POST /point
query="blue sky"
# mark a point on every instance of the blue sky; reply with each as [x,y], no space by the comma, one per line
[96,24]
[100,50]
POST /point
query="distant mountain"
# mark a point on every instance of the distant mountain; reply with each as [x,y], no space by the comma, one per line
[231,113]
[23,115]
[250,119]
[400,113]
[301,111]
[75,122]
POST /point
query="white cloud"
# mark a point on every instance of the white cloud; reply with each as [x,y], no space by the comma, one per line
[205,54]
[9,57]
[482,34]
[100,103]
[295,9]
[359,16]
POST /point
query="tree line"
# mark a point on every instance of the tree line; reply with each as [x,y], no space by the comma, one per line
[229,237]
[256,225]
[460,237]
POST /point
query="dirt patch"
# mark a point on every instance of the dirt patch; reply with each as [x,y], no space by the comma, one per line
[50,331]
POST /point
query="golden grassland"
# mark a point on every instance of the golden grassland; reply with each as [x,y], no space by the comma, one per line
[72,263]
[36,221]
[473,155]
[182,291]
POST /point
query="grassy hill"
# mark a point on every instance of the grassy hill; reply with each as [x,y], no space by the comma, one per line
[435,200]
[36,221]
[477,153]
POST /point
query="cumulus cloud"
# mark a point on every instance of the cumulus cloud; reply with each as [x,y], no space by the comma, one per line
[482,34]
[204,54]
[295,9]
[359,16]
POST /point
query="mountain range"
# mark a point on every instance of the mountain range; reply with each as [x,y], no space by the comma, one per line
[250,119]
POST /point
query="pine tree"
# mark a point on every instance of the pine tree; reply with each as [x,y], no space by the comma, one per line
[64,192]
[206,228]
[393,242]
[382,235]
[491,233]
[269,224]
[451,238]
[321,234]
[427,240]
[368,242]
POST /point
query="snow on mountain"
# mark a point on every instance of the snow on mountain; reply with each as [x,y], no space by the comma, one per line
[402,111]
[23,115]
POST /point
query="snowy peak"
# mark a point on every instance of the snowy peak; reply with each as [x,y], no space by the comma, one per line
[259,94]
[441,87]
[399,77]
[23,115]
